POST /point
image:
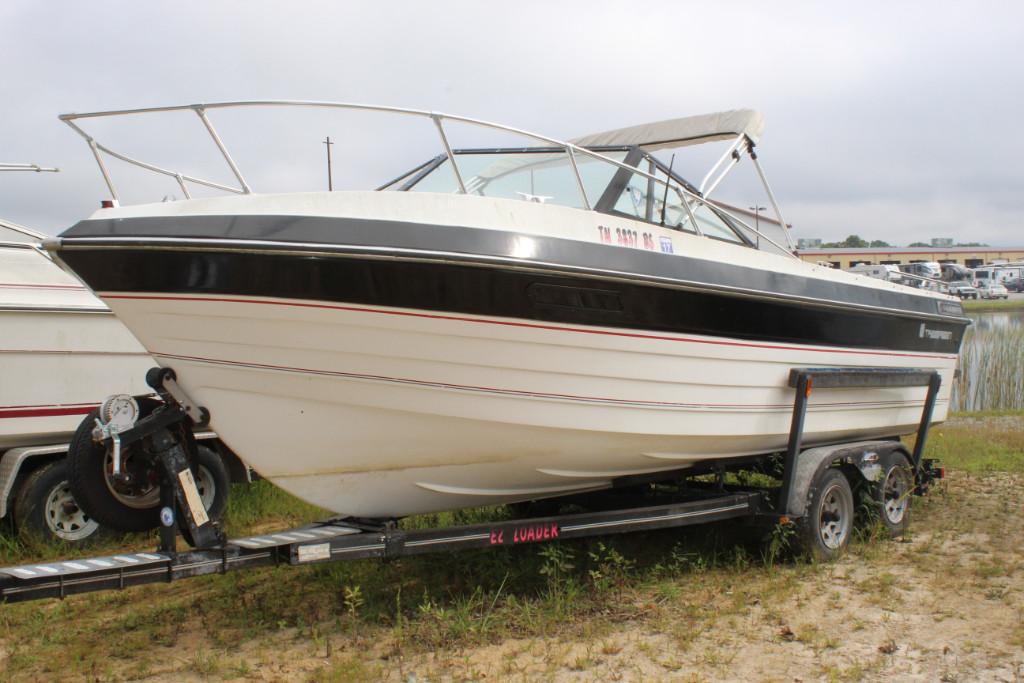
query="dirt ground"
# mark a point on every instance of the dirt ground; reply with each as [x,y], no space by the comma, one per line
[941,606]
[946,603]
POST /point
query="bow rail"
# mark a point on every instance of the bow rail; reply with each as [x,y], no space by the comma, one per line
[439,119]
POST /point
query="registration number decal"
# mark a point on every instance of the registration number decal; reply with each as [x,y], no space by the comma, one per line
[630,238]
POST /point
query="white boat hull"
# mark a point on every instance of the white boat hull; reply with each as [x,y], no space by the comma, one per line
[61,352]
[386,412]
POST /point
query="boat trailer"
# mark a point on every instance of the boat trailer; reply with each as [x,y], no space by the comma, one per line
[350,539]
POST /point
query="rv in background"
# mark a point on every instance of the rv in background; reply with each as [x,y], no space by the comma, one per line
[997,274]
[954,272]
[881,272]
[929,269]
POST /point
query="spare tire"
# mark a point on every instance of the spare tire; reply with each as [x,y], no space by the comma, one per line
[135,506]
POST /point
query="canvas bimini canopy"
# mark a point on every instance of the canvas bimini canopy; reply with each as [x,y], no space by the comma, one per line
[682,132]
[742,126]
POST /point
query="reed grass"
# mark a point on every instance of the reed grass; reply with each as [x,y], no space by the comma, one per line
[991,370]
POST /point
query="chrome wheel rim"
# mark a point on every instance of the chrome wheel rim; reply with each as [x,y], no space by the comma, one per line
[137,498]
[834,517]
[896,494]
[64,518]
[207,487]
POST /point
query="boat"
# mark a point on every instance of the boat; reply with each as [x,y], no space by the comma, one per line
[500,324]
[62,350]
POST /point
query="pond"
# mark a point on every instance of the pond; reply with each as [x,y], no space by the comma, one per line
[992,363]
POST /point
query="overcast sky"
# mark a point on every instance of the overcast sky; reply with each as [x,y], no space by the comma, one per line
[892,120]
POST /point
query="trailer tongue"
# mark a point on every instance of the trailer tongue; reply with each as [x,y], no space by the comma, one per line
[333,541]
[815,493]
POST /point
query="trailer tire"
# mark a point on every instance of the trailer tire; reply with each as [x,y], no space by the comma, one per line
[46,509]
[827,526]
[894,491]
[124,511]
[91,486]
[213,482]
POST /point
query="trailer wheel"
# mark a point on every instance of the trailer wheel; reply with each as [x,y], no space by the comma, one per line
[826,528]
[124,508]
[213,482]
[45,508]
[135,506]
[893,492]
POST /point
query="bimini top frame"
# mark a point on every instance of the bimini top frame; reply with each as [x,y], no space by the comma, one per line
[739,126]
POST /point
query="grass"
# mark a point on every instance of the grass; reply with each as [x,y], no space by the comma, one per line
[992,369]
[980,443]
[993,304]
[681,598]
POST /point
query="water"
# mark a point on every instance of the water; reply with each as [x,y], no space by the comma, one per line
[992,363]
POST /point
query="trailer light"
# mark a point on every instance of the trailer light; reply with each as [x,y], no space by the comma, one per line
[108,204]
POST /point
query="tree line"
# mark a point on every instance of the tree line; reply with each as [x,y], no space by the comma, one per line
[857,242]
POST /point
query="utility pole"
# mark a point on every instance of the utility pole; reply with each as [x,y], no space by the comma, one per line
[330,180]
[757,222]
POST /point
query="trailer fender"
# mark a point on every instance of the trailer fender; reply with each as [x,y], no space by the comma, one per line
[862,457]
[13,462]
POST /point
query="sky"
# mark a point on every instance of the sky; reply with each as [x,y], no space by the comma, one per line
[890,120]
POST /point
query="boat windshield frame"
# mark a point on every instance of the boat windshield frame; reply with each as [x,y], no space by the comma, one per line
[741,143]
[611,194]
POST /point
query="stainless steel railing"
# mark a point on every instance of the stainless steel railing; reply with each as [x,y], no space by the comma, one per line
[438,119]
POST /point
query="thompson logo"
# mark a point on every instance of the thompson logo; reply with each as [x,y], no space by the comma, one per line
[941,335]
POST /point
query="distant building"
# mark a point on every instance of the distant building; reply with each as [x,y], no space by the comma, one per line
[972,257]
[808,243]
[942,241]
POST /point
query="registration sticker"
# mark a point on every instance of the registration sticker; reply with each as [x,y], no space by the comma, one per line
[666,245]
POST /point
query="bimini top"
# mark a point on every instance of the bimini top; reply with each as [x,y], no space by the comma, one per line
[690,130]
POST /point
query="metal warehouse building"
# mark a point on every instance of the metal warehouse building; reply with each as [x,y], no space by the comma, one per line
[972,257]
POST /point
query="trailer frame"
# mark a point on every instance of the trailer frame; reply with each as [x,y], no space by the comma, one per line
[350,539]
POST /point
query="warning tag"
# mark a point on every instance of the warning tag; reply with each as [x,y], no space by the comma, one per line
[192,498]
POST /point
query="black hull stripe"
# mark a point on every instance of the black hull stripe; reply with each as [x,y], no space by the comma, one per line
[474,243]
[503,292]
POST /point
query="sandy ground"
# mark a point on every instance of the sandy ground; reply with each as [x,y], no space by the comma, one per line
[944,604]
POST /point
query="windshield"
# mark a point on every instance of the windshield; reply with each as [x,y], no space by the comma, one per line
[541,176]
[546,176]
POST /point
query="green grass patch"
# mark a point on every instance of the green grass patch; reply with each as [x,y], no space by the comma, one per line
[979,443]
[980,414]
[993,304]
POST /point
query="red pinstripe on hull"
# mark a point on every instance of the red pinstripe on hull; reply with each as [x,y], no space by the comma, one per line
[507,323]
[520,392]
[44,411]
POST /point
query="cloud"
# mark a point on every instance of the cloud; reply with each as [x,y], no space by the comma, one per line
[896,116]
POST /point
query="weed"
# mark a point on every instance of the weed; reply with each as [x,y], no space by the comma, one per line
[353,600]
[558,562]
[609,568]
[780,543]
